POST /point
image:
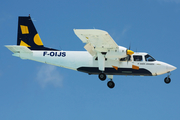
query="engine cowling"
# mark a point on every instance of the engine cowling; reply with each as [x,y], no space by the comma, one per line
[121,52]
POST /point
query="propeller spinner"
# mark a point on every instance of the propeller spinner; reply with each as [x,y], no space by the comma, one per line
[129,52]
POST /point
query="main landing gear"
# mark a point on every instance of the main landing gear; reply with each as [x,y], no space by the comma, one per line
[102,76]
[110,83]
[167,80]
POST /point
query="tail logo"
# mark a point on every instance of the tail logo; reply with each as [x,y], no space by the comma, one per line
[24,29]
[24,44]
[37,40]
[28,35]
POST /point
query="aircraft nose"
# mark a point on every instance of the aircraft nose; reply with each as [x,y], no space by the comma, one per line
[170,67]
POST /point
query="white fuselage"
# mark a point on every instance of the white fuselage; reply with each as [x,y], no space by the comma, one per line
[85,62]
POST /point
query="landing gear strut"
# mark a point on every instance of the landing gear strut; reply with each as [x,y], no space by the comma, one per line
[167,80]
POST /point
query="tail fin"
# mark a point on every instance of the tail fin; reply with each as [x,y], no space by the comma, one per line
[28,36]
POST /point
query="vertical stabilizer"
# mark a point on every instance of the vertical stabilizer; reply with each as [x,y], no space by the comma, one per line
[28,35]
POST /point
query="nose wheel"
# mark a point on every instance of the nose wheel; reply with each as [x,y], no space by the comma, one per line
[167,80]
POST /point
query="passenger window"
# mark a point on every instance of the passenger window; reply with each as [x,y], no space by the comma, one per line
[137,58]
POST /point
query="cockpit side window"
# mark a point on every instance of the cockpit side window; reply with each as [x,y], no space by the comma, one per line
[138,58]
[149,58]
[125,59]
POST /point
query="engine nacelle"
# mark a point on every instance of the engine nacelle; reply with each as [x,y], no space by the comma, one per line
[121,52]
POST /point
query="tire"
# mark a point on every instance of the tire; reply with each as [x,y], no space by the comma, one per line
[111,84]
[102,76]
[167,80]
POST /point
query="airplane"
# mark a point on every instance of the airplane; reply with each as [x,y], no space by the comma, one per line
[103,56]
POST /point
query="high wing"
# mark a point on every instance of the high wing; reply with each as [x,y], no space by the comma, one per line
[98,42]
[98,39]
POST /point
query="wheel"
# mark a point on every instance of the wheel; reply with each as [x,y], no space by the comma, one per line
[167,80]
[102,76]
[110,84]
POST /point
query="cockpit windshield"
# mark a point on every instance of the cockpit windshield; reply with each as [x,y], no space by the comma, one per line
[149,58]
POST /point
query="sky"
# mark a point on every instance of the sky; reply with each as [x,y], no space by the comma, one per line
[35,91]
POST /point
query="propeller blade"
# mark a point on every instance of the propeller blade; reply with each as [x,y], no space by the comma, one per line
[128,58]
[129,46]
[129,53]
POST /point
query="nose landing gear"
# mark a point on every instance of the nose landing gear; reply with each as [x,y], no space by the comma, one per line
[167,80]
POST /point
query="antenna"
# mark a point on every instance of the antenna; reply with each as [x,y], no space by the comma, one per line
[60,48]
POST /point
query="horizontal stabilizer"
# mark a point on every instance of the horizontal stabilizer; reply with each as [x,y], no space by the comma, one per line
[18,49]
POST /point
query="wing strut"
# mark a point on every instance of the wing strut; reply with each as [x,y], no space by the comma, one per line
[101,61]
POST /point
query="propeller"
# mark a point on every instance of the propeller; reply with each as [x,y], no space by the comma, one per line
[129,52]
